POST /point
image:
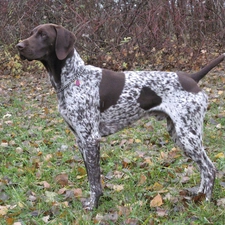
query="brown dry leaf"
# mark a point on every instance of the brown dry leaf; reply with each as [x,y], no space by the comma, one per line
[9,221]
[130,141]
[174,153]
[77,192]
[132,221]
[163,155]
[125,211]
[123,142]
[81,171]
[200,197]
[126,163]
[62,191]
[161,212]
[156,201]
[142,180]
[148,160]
[45,184]
[62,179]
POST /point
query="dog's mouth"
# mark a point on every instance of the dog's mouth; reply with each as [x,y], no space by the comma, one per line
[22,57]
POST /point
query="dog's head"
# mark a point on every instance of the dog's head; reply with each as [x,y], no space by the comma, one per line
[46,41]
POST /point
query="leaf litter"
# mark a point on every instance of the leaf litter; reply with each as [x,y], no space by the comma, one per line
[140,155]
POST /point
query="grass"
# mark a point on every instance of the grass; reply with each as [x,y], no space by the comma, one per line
[137,164]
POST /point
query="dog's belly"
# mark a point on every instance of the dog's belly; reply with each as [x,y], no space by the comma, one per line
[118,117]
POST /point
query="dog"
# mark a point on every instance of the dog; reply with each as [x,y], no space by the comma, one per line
[97,102]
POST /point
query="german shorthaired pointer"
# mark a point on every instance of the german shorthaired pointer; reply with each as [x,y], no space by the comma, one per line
[97,102]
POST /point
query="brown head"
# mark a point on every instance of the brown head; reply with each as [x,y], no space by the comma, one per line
[46,41]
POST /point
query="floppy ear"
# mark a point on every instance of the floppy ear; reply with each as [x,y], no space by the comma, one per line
[64,42]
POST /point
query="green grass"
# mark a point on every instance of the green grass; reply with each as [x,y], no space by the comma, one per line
[36,146]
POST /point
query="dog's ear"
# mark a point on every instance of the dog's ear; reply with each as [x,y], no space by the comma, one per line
[64,43]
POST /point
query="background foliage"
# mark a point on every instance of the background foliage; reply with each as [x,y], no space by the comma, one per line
[158,34]
[146,180]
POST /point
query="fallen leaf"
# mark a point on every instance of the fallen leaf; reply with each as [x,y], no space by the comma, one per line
[161,212]
[156,201]
[221,202]
[148,160]
[3,210]
[184,179]
[45,184]
[62,191]
[62,179]
[157,187]
[46,219]
[4,143]
[125,211]
[50,196]
[9,221]
[81,171]
[219,155]
[77,192]
[106,217]
[115,187]
[137,141]
[132,221]
[142,180]
[126,163]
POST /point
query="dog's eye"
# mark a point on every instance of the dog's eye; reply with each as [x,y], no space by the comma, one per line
[43,35]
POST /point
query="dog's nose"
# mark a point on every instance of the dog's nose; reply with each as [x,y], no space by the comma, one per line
[20,46]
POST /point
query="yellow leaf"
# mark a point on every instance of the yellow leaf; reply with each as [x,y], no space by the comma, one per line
[118,187]
[219,155]
[157,187]
[137,141]
[156,201]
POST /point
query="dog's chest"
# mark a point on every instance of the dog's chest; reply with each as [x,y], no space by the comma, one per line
[80,101]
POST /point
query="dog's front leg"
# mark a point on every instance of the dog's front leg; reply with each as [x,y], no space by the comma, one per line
[91,157]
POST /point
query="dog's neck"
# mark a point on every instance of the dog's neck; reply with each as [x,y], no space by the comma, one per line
[62,71]
[72,68]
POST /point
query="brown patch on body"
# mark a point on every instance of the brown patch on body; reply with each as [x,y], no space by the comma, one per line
[110,89]
[148,99]
[188,84]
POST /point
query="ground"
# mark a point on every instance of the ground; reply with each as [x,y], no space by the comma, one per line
[146,179]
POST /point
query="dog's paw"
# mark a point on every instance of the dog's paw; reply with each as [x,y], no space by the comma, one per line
[89,204]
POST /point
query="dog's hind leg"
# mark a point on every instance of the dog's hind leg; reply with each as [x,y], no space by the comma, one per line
[186,132]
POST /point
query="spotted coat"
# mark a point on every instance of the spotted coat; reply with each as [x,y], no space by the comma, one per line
[96,102]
